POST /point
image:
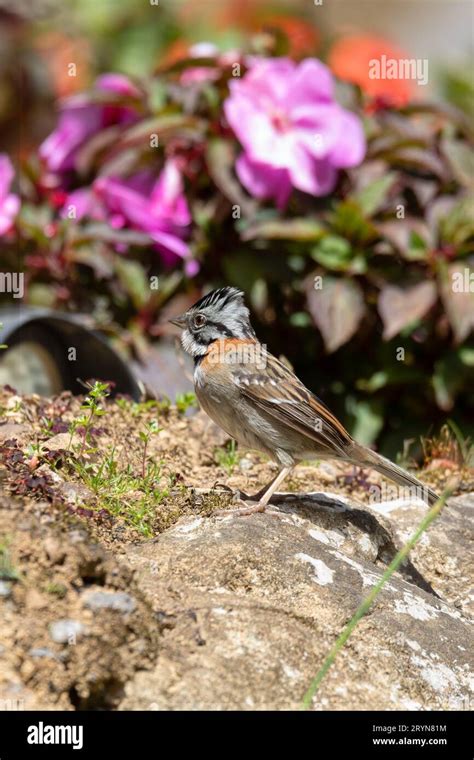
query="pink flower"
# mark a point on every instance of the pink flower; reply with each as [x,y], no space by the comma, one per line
[9,203]
[80,118]
[81,203]
[293,132]
[154,206]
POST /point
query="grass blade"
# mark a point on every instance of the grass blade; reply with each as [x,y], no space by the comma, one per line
[370,598]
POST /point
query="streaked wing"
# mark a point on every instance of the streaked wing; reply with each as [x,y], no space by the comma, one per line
[277,390]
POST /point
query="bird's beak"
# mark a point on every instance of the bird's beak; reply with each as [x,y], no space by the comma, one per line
[179,321]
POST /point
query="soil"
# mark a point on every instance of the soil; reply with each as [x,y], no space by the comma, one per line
[76,625]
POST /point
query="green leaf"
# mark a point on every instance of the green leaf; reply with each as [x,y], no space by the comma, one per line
[375,382]
[337,309]
[220,160]
[333,252]
[411,236]
[466,355]
[348,221]
[418,159]
[165,125]
[373,196]
[368,419]
[156,94]
[417,247]
[457,226]
[447,381]
[99,231]
[285,229]
[92,148]
[96,255]
[300,319]
[400,307]
[391,376]
[461,160]
[132,277]
[458,296]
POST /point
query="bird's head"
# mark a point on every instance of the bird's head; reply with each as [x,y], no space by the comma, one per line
[218,315]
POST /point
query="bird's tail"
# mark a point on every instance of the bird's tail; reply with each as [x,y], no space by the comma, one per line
[364,457]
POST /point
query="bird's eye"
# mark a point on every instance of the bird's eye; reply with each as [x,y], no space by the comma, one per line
[199,320]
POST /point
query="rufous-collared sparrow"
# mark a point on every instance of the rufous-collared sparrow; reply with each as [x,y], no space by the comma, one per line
[261,403]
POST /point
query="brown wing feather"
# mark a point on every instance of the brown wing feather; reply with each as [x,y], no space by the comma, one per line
[278,391]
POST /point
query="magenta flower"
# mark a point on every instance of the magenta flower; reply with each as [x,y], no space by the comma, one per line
[9,203]
[82,203]
[293,132]
[154,206]
[80,118]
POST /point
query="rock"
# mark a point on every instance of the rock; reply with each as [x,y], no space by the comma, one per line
[5,588]
[444,553]
[15,432]
[60,442]
[35,599]
[74,494]
[55,552]
[42,652]
[66,631]
[99,600]
[253,622]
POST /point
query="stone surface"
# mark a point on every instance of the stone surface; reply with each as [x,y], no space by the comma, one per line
[445,553]
[5,588]
[11,431]
[250,606]
[61,442]
[99,600]
[66,631]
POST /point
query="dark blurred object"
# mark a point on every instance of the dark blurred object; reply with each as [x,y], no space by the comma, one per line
[47,353]
[165,370]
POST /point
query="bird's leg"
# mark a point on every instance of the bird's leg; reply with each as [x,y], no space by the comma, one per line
[236,492]
[261,493]
[241,495]
[261,505]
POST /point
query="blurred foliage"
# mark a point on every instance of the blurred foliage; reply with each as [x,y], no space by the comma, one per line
[387,342]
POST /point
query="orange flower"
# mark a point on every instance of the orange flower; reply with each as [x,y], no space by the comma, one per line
[351,58]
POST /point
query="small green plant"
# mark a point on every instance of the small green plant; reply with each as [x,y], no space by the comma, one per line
[46,426]
[151,428]
[92,408]
[184,401]
[121,491]
[403,457]
[7,571]
[449,445]
[227,456]
[123,403]
[56,589]
[137,408]
[33,449]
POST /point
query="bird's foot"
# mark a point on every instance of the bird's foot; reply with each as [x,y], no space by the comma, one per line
[237,494]
[244,510]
